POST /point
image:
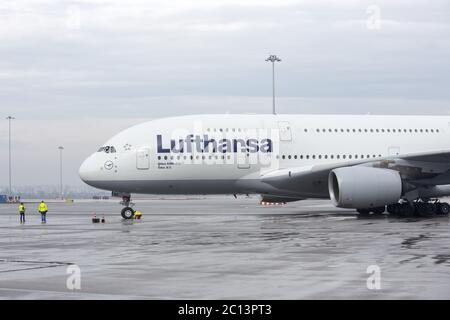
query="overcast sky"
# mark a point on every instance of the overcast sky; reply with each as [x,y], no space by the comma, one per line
[74,73]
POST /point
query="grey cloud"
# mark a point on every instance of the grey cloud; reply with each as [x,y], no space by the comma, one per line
[137,60]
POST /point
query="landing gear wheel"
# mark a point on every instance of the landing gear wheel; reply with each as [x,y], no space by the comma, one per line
[379,210]
[424,209]
[443,208]
[431,209]
[393,209]
[127,213]
[406,210]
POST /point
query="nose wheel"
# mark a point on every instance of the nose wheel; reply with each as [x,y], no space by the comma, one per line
[127,212]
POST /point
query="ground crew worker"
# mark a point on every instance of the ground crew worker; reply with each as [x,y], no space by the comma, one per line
[22,212]
[43,211]
[137,215]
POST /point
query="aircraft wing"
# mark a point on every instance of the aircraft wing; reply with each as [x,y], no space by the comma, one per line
[442,156]
[428,168]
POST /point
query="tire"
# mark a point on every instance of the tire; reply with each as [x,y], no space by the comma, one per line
[426,209]
[393,209]
[419,208]
[432,209]
[127,213]
[406,210]
[443,208]
[379,210]
[423,209]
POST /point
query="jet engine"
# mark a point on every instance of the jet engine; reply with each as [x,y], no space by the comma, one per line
[364,187]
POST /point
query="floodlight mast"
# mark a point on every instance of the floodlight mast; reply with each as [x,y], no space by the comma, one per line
[9,118]
[61,148]
[273,58]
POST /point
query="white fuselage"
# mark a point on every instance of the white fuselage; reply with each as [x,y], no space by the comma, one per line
[165,156]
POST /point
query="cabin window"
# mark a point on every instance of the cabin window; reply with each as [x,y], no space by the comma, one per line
[107,149]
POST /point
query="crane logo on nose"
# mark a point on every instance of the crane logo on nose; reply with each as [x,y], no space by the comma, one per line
[109,165]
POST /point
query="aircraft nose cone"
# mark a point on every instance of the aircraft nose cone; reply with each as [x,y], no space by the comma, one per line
[87,170]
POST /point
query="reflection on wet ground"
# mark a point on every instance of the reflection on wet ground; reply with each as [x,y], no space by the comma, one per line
[410,242]
[442,258]
[21,265]
[223,248]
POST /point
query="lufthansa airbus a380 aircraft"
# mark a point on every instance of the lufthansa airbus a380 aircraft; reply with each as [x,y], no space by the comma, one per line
[370,163]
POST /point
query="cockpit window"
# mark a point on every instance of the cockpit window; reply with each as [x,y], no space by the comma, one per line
[107,149]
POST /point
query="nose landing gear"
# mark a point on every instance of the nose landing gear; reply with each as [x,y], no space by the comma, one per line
[127,212]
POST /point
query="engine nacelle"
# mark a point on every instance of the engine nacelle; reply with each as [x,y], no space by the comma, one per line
[364,187]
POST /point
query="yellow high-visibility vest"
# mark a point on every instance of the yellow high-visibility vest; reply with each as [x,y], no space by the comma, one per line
[43,207]
[21,208]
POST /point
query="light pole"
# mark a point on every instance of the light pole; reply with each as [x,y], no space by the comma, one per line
[9,118]
[273,58]
[61,148]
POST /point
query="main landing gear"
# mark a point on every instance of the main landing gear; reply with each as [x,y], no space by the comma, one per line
[421,208]
[127,212]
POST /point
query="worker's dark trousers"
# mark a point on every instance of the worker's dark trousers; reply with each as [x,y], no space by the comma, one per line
[22,218]
[43,217]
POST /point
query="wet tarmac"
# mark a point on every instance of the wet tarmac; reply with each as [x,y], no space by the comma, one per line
[221,248]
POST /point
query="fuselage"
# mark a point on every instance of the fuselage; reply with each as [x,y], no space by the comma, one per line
[228,153]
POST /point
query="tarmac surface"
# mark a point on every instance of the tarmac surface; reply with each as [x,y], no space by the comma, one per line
[220,248]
